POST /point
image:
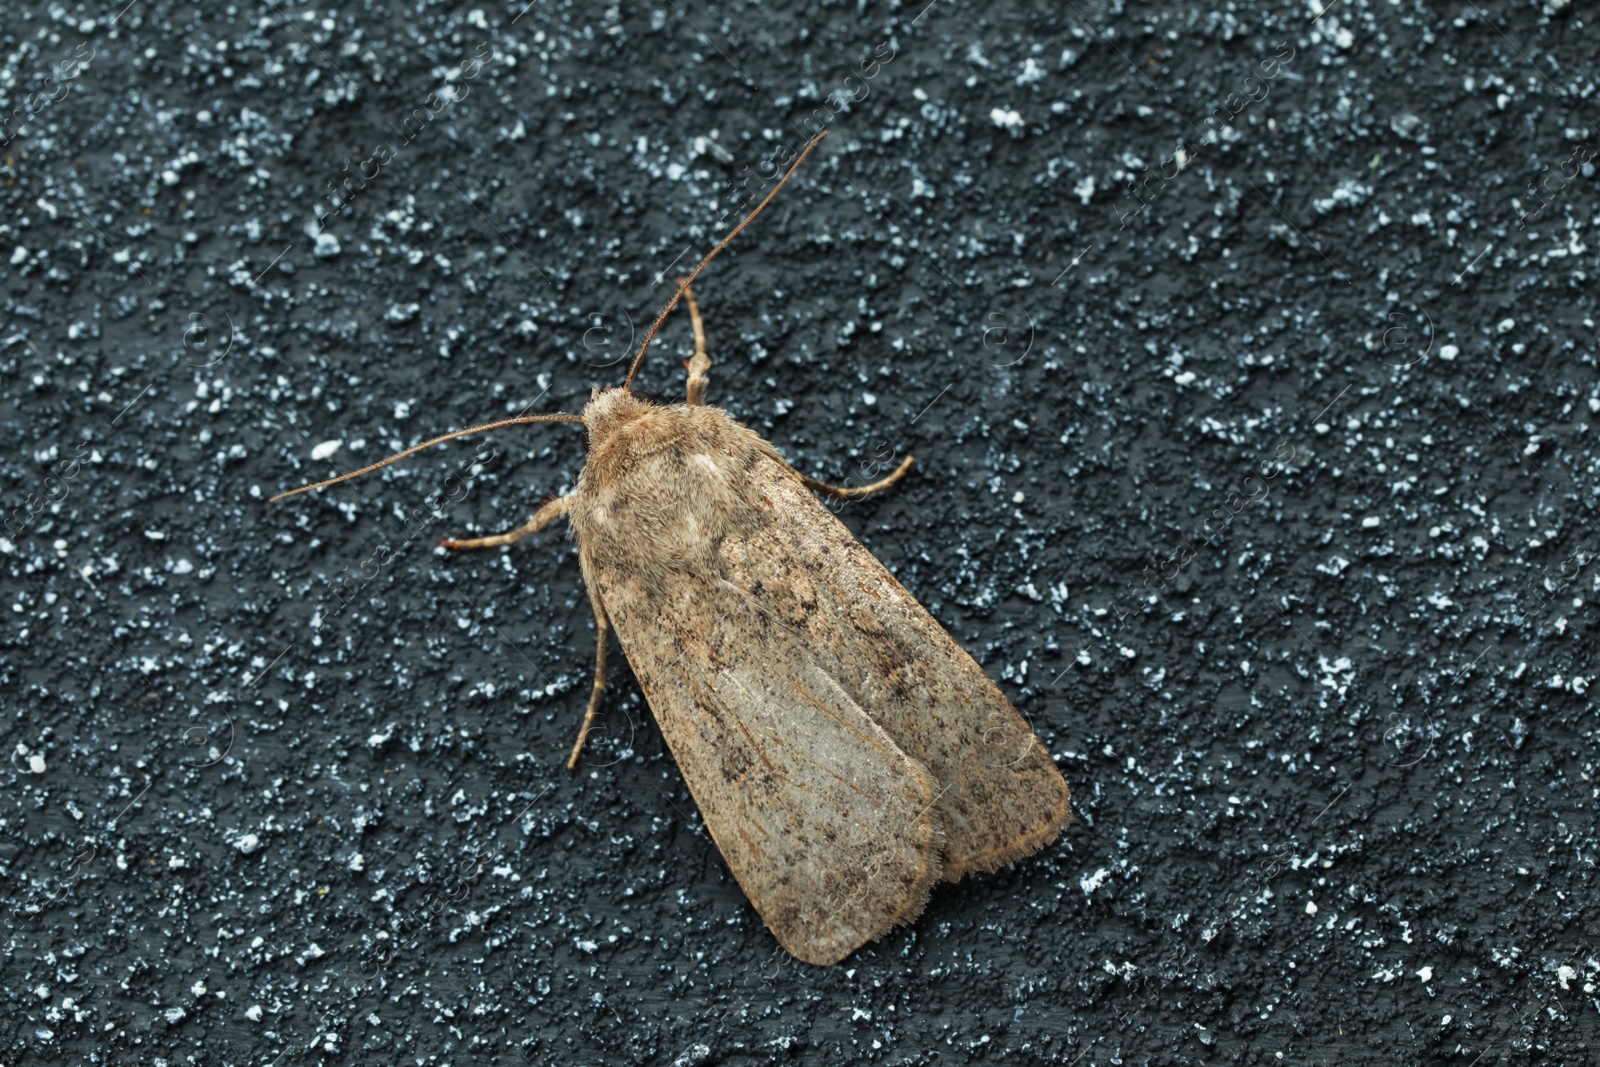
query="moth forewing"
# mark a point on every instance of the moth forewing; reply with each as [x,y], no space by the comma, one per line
[1000,794]
[832,831]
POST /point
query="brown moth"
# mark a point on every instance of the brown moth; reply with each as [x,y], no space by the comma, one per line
[845,752]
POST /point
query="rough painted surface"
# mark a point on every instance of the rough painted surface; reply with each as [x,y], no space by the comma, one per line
[285,783]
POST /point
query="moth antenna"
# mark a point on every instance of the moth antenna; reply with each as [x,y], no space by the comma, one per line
[519,421]
[683,283]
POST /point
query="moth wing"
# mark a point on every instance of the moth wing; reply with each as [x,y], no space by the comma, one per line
[830,829]
[1000,794]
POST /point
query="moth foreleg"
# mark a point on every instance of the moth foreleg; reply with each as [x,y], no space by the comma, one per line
[856,492]
[541,518]
[601,629]
[700,362]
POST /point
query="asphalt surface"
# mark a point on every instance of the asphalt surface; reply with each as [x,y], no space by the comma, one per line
[1248,356]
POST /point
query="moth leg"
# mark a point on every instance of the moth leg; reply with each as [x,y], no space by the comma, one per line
[543,517]
[856,492]
[601,628]
[700,363]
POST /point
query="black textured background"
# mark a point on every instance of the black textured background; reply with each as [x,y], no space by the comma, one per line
[1334,772]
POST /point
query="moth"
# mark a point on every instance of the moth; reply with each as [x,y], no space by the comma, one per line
[845,752]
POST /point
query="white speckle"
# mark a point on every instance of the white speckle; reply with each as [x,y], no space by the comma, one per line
[377,739]
[1005,119]
[327,245]
[869,398]
[1032,72]
[1084,190]
[357,862]
[1090,882]
[175,1015]
[1311,907]
[198,989]
[169,177]
[1449,352]
[1565,974]
[19,254]
[1345,194]
[1017,497]
[1506,325]
[326,449]
[254,1013]
[155,535]
[586,946]
[1235,800]
[174,862]
[36,763]
[1426,974]
[1371,521]
[248,843]
[182,566]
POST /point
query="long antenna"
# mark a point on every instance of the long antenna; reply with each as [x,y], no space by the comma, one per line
[520,420]
[683,283]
